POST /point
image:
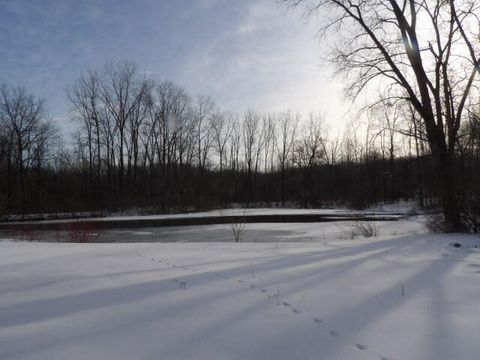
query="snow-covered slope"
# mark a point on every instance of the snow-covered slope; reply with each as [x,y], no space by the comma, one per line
[405,294]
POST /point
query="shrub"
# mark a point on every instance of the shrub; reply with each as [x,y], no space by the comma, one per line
[364,228]
[238,228]
[435,223]
[82,232]
[25,233]
[471,223]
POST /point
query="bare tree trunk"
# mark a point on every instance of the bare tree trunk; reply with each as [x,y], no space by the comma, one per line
[446,177]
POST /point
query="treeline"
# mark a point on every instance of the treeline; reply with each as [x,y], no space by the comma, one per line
[143,142]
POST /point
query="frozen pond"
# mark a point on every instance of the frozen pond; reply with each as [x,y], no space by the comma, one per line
[252,232]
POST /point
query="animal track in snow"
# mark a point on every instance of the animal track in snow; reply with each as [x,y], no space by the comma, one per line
[361,347]
[182,285]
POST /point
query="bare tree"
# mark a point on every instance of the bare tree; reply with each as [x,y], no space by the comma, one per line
[352,148]
[309,149]
[287,131]
[235,144]
[387,118]
[24,119]
[425,52]
[221,125]
[122,94]
[204,110]
[308,152]
[331,148]
[84,97]
[269,140]
[253,139]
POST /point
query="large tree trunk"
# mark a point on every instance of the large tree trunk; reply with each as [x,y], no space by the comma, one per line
[445,172]
[450,206]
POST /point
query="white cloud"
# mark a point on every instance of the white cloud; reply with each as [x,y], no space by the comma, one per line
[268,61]
[245,54]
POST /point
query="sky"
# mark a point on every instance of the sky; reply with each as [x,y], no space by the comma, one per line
[248,54]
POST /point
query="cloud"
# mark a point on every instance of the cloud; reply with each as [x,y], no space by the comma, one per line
[245,54]
[268,60]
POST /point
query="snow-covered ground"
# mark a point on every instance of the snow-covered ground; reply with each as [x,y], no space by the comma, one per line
[405,294]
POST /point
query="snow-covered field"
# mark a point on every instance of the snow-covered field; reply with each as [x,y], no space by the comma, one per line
[405,294]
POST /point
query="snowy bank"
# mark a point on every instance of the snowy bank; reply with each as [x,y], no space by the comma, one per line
[405,294]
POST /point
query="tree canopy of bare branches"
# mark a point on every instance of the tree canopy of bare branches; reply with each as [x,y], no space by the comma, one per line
[424,52]
[23,119]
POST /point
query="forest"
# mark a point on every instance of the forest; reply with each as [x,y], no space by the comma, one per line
[144,143]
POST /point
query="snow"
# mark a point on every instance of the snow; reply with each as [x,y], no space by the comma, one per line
[405,294]
[383,210]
